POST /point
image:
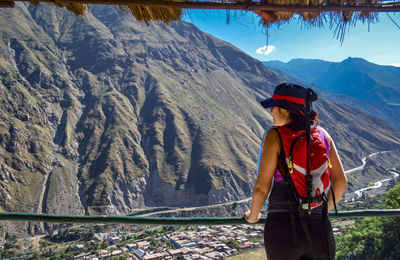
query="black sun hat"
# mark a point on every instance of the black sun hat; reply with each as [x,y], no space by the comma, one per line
[291,97]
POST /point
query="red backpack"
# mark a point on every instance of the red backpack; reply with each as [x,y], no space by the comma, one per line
[295,153]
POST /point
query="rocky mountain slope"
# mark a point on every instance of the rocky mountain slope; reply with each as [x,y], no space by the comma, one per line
[102,114]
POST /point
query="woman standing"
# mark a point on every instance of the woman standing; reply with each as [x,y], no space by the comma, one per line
[296,230]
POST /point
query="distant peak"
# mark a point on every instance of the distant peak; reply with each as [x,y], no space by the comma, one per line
[355,59]
[304,59]
[274,61]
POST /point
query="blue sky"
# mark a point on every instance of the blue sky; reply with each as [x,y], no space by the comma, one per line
[293,40]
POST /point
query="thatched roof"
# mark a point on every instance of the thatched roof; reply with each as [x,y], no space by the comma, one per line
[314,12]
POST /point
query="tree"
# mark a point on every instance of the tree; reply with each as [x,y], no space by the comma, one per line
[36,255]
[232,243]
[393,198]
[373,238]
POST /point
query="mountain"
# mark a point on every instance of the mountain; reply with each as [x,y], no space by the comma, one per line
[309,70]
[363,80]
[102,114]
[367,86]
[354,77]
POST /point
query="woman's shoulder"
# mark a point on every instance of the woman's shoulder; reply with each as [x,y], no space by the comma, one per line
[326,134]
[272,136]
[272,141]
[272,133]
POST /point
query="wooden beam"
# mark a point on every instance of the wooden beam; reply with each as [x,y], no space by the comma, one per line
[385,7]
[6,3]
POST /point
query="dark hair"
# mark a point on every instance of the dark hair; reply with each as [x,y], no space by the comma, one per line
[298,122]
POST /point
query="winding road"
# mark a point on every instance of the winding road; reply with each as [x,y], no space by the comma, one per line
[364,161]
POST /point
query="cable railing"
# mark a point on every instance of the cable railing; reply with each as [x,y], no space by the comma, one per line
[172,221]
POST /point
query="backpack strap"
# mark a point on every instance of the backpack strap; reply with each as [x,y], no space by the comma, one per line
[289,180]
[325,140]
[292,191]
[334,200]
[290,160]
[286,175]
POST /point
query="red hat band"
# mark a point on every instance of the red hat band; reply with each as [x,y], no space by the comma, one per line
[296,100]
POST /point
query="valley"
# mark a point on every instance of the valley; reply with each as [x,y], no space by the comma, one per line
[107,115]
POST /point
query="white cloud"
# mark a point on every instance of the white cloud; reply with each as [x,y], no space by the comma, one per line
[395,64]
[266,49]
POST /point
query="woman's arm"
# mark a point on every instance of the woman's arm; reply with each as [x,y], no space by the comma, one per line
[268,164]
[337,175]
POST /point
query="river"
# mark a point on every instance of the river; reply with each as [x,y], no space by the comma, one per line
[376,185]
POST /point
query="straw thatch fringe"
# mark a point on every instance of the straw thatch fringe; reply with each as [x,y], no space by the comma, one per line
[158,10]
[340,25]
[314,18]
[141,13]
[149,13]
[76,8]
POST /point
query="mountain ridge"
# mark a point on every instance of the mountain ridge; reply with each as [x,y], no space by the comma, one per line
[355,81]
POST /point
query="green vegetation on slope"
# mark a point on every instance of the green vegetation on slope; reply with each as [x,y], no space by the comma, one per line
[373,238]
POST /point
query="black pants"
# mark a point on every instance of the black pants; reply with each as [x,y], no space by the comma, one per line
[279,241]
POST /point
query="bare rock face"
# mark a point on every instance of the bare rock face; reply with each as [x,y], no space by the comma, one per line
[103,115]
[126,197]
[40,78]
